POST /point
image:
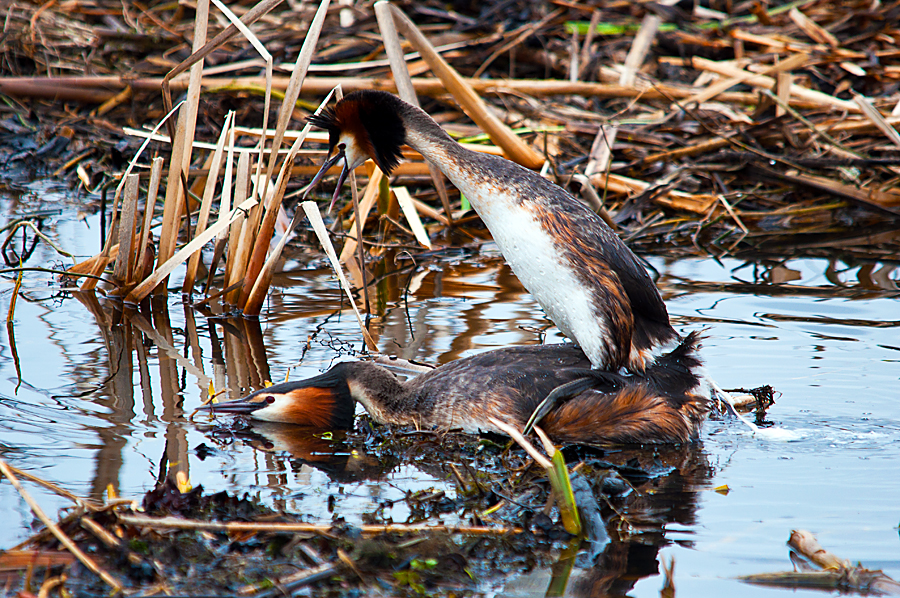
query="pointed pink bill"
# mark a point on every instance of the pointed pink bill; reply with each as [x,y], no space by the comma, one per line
[340,183]
[339,155]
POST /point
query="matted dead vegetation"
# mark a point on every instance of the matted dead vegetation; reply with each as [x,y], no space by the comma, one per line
[736,129]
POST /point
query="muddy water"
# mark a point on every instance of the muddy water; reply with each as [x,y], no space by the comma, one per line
[90,400]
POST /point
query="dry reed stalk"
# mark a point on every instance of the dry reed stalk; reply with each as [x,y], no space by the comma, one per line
[241,232]
[267,226]
[267,57]
[427,210]
[640,46]
[430,86]
[224,208]
[143,289]
[783,82]
[156,167]
[812,29]
[475,107]
[100,264]
[251,16]
[888,200]
[263,278]
[93,264]
[183,137]
[412,215]
[586,51]
[81,501]
[212,180]
[312,212]
[702,147]
[783,44]
[730,70]
[370,196]
[600,154]
[691,202]
[872,113]
[292,90]
[123,268]
[405,88]
[788,64]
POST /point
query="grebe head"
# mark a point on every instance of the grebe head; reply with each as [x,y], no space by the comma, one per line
[365,124]
[323,402]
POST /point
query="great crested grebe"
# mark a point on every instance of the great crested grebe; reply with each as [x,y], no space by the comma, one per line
[665,404]
[584,277]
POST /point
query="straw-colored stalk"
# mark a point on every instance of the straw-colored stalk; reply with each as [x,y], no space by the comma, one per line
[370,196]
[315,219]
[241,233]
[181,148]
[123,269]
[224,208]
[149,206]
[263,279]
[267,226]
[142,290]
[295,83]
[212,180]
[475,107]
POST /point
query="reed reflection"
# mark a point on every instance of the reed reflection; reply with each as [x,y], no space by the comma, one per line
[143,340]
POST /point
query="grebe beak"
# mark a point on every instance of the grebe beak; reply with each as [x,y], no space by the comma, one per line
[340,155]
[244,406]
[341,178]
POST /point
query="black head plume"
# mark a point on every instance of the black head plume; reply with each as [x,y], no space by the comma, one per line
[374,120]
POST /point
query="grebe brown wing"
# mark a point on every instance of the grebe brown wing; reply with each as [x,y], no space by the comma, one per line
[508,382]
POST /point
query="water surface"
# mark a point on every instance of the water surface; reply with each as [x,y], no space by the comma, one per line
[100,402]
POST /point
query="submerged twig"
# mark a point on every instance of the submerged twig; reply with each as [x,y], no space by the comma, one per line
[57,532]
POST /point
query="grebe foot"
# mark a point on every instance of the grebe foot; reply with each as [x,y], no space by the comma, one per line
[569,390]
[723,397]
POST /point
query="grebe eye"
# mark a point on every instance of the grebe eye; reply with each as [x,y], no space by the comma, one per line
[270,399]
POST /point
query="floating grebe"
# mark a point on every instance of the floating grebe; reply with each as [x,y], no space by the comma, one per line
[584,277]
[665,404]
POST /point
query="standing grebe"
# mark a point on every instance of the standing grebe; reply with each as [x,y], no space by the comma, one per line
[665,404]
[584,277]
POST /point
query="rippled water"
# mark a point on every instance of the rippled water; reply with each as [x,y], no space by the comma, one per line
[101,402]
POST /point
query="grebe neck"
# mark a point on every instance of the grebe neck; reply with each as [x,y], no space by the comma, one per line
[379,391]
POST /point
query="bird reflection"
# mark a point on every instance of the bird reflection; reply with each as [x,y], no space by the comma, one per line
[341,461]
